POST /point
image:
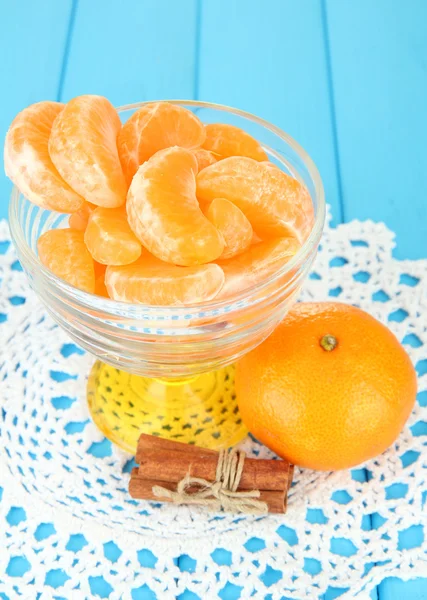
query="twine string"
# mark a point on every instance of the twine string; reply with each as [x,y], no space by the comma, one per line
[221,493]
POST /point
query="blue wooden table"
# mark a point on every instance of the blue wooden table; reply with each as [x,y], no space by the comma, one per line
[346,78]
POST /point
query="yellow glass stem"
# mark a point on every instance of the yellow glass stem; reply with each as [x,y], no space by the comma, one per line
[200,410]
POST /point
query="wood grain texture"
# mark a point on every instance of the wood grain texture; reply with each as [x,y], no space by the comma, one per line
[132,51]
[379,71]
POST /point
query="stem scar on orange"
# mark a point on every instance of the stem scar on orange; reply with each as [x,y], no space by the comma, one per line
[329,389]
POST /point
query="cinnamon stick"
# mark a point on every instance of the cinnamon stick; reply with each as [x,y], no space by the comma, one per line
[171,465]
[165,463]
[143,489]
[154,442]
[150,442]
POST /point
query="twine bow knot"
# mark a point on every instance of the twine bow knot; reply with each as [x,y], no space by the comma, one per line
[221,493]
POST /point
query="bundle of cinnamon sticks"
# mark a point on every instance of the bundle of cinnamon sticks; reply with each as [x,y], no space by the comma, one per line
[163,464]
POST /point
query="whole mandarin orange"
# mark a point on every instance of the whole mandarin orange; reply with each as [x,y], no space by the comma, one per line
[329,389]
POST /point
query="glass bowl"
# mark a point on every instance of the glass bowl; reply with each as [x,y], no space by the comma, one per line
[169,371]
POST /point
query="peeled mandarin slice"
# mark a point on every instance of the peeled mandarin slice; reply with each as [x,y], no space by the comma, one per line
[109,238]
[274,202]
[205,158]
[99,269]
[154,127]
[164,213]
[256,264]
[100,289]
[27,161]
[64,252]
[83,147]
[151,281]
[80,218]
[232,224]
[255,239]
[228,140]
[306,224]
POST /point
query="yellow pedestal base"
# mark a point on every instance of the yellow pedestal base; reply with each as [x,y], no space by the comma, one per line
[201,411]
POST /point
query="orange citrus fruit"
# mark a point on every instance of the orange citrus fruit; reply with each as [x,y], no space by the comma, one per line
[232,224]
[64,252]
[79,219]
[205,158]
[83,147]
[154,127]
[109,238]
[259,261]
[27,161]
[228,140]
[150,281]
[329,389]
[164,213]
[275,203]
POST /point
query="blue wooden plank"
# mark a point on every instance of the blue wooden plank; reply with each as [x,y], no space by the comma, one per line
[269,58]
[378,58]
[378,55]
[132,51]
[32,41]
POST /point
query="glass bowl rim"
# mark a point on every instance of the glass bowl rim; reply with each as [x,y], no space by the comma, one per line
[114,307]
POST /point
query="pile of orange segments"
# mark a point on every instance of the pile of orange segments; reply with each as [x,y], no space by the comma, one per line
[164,210]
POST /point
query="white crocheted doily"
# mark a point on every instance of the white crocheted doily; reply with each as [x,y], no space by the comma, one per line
[65,513]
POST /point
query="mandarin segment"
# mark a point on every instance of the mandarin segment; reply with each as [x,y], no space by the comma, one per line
[154,127]
[80,218]
[109,238]
[232,224]
[164,213]
[205,158]
[64,252]
[275,203]
[256,264]
[228,140]
[83,147]
[27,161]
[100,289]
[99,269]
[151,281]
